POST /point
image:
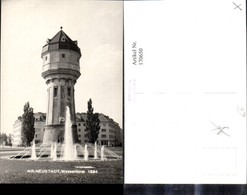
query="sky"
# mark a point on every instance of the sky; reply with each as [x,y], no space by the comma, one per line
[26,25]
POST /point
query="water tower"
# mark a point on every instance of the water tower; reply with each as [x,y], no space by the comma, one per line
[61,68]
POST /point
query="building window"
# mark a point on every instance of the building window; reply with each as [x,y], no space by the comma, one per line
[63,39]
[111,131]
[84,124]
[79,130]
[36,135]
[103,136]
[69,91]
[63,55]
[79,124]
[55,91]
[103,130]
[79,136]
[45,57]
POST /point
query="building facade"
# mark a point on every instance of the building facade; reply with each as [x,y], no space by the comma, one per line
[110,133]
[39,125]
[17,132]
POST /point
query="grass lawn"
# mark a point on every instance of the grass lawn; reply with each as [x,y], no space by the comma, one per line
[27,171]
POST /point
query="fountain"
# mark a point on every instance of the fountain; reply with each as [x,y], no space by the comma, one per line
[102,156]
[54,151]
[33,156]
[85,153]
[95,151]
[69,153]
[75,151]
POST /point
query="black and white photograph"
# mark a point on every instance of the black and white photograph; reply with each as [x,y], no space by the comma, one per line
[62,92]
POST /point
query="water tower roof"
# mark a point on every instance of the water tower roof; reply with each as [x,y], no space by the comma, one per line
[61,41]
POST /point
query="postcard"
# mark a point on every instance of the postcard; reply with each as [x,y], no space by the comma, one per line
[123,92]
[185,92]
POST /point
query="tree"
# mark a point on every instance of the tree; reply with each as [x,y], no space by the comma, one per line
[28,129]
[10,138]
[92,123]
[3,139]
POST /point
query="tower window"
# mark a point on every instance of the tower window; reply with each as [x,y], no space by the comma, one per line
[45,57]
[63,39]
[55,91]
[63,55]
[69,91]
